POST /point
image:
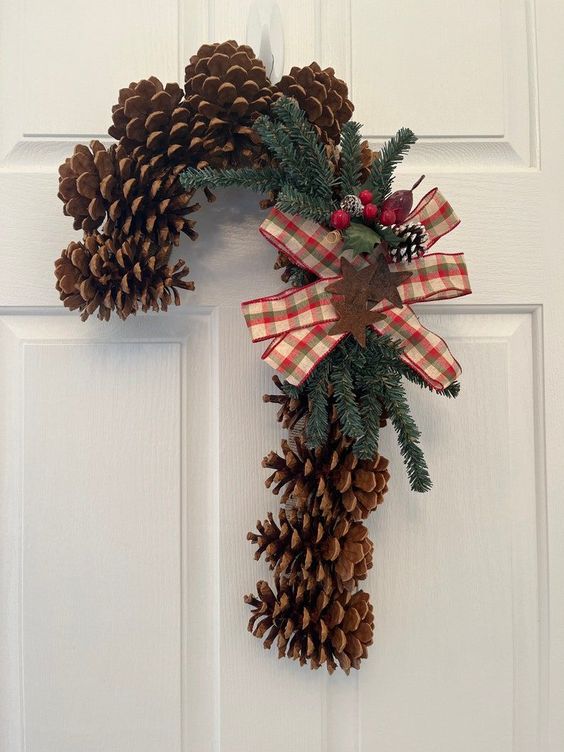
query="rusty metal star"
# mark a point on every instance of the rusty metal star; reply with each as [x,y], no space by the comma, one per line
[374,282]
[354,317]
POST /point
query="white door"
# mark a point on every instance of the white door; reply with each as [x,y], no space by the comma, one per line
[130,453]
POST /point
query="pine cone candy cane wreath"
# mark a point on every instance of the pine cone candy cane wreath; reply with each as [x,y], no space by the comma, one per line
[342,337]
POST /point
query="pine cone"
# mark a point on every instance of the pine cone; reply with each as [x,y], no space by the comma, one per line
[135,199]
[305,548]
[292,274]
[153,124]
[328,480]
[227,89]
[413,241]
[322,95]
[311,627]
[103,275]
[292,409]
[85,180]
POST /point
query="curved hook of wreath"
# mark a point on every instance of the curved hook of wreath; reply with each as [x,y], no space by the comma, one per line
[342,336]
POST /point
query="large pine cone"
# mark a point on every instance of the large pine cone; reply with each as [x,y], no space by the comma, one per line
[103,275]
[323,97]
[152,123]
[329,480]
[312,627]
[227,89]
[133,198]
[305,548]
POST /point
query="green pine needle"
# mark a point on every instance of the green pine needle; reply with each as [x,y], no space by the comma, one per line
[261,181]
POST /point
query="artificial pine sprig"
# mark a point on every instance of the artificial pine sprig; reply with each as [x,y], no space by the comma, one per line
[314,165]
[366,383]
[261,181]
[303,179]
[397,407]
[350,161]
[391,154]
[318,397]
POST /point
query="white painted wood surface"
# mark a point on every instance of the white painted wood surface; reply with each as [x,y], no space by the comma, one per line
[130,453]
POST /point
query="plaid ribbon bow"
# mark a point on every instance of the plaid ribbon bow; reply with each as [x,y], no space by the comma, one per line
[298,320]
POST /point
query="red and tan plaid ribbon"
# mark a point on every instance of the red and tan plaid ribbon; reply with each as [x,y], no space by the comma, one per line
[298,320]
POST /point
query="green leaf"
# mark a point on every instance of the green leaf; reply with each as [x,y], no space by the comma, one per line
[360,238]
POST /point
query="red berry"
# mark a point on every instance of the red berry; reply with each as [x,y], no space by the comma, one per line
[388,217]
[340,219]
[370,212]
[366,197]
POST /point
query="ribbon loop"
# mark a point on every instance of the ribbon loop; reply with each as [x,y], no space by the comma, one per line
[298,320]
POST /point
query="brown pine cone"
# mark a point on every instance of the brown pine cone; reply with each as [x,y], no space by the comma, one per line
[226,89]
[86,185]
[323,97]
[329,479]
[134,199]
[292,409]
[103,275]
[305,548]
[153,124]
[311,627]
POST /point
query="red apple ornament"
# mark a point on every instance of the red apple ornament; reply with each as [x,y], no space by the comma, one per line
[340,219]
[400,202]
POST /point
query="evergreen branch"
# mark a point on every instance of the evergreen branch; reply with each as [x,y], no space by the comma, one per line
[294,201]
[290,390]
[396,405]
[276,140]
[317,425]
[391,154]
[346,401]
[259,180]
[314,164]
[370,412]
[350,163]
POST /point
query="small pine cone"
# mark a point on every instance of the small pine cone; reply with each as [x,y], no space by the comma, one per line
[323,97]
[413,243]
[153,124]
[304,548]
[292,409]
[352,205]
[313,628]
[103,275]
[226,90]
[86,182]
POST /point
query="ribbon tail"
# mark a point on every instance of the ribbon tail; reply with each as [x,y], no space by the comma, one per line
[423,350]
[297,353]
[308,244]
